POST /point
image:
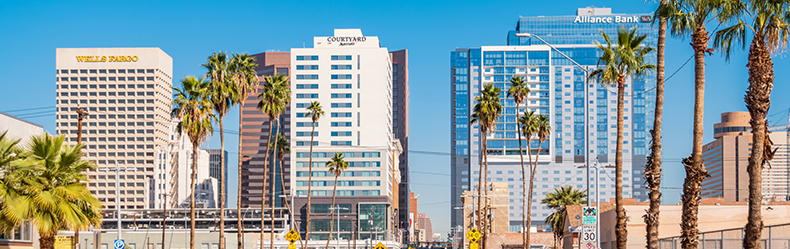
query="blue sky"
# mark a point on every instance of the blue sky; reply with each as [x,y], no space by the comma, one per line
[190,30]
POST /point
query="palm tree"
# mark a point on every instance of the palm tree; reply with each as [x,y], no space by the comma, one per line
[245,80]
[274,99]
[193,106]
[558,200]
[44,188]
[627,58]
[768,22]
[690,17]
[336,166]
[486,112]
[221,95]
[283,147]
[519,91]
[528,126]
[315,112]
[652,170]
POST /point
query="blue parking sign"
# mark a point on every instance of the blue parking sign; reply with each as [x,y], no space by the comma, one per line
[119,244]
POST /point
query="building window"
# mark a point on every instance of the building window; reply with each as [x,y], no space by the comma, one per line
[341,86]
[306,67]
[306,95]
[341,76]
[306,76]
[341,105]
[307,57]
[341,57]
[341,67]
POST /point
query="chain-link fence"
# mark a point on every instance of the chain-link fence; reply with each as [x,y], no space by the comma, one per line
[774,237]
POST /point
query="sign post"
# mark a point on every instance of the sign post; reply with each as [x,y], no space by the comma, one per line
[588,235]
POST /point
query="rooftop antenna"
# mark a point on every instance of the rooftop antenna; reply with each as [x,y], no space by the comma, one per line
[303,44]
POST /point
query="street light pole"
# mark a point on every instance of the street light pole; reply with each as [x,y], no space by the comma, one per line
[292,195]
[586,127]
[118,191]
[337,208]
[586,104]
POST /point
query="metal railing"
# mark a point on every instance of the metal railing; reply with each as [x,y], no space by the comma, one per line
[774,236]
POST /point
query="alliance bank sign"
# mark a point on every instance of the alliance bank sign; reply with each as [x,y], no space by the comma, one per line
[610,19]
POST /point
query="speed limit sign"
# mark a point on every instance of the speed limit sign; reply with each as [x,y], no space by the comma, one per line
[588,233]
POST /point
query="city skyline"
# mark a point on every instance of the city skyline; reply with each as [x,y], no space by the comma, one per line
[426,36]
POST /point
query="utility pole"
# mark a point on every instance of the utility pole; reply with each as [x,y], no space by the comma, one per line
[80,115]
[474,215]
[164,219]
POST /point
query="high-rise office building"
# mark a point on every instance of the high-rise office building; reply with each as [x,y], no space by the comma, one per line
[215,167]
[351,76]
[727,159]
[582,117]
[173,175]
[400,127]
[255,132]
[127,94]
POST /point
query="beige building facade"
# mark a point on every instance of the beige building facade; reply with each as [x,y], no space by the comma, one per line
[727,159]
[127,94]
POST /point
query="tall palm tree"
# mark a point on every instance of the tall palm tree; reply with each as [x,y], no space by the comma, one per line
[193,106]
[768,23]
[528,126]
[274,99]
[44,189]
[336,166]
[518,91]
[283,147]
[315,112]
[652,170]
[245,80]
[626,58]
[690,17]
[222,96]
[558,200]
[486,113]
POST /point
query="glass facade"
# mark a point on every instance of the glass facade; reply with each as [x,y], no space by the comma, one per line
[582,114]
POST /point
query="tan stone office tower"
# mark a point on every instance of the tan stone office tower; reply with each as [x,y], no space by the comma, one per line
[126,92]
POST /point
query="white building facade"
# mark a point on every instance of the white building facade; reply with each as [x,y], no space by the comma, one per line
[127,94]
[350,75]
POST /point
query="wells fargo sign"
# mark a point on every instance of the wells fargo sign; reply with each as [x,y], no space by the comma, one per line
[111,58]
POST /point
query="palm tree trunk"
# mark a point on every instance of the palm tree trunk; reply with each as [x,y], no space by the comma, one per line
[309,185]
[525,235]
[695,171]
[758,101]
[271,217]
[480,186]
[46,241]
[192,195]
[620,227]
[528,195]
[331,221]
[653,168]
[221,184]
[239,225]
[263,188]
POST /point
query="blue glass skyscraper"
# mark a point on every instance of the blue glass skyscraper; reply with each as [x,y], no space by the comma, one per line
[557,90]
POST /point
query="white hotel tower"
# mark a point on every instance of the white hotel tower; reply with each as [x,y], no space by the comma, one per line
[351,76]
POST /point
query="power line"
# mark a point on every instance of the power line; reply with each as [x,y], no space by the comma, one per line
[29,109]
